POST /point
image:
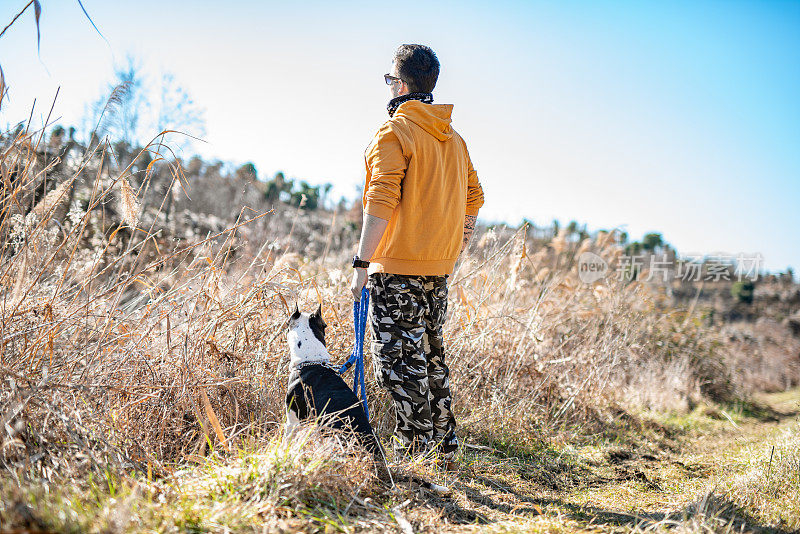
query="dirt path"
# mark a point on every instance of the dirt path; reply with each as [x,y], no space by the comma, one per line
[611,488]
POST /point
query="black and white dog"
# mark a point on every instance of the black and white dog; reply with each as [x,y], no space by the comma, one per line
[316,391]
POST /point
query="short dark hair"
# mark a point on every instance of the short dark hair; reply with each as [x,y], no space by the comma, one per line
[418,66]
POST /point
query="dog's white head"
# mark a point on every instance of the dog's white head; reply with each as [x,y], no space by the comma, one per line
[306,338]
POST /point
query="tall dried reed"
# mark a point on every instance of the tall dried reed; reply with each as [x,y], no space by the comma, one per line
[131,340]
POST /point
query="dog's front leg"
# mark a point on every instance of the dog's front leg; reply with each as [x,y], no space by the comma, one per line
[292,422]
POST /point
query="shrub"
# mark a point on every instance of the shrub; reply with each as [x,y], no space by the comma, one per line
[742,291]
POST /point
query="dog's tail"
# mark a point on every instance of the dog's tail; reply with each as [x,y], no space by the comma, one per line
[379,457]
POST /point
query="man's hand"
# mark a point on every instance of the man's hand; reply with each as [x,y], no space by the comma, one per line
[358,281]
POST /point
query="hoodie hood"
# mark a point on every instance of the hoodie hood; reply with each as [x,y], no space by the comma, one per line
[433,118]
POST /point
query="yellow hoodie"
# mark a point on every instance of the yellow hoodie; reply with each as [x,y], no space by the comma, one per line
[420,178]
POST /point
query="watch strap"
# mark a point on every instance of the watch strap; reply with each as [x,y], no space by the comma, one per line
[358,262]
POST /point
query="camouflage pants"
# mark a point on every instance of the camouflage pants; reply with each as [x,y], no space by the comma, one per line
[408,313]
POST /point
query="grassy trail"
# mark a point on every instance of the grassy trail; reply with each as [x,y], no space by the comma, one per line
[735,469]
[647,486]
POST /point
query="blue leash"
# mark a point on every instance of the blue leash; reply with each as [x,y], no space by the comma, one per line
[357,356]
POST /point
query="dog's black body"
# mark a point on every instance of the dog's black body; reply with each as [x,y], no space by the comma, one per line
[318,392]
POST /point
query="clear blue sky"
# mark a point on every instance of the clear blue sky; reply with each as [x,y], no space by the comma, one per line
[681,117]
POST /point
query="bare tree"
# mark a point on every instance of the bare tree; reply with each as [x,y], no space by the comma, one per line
[178,111]
[128,118]
[118,111]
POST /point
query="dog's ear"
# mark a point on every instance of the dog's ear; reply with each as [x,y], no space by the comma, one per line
[296,314]
[317,315]
[317,325]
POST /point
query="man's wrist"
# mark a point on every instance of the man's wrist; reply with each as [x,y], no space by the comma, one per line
[358,263]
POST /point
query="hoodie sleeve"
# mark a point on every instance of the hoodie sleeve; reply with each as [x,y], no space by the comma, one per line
[386,168]
[474,189]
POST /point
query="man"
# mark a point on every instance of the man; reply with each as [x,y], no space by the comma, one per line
[421,200]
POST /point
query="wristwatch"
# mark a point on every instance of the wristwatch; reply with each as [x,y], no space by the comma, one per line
[357,262]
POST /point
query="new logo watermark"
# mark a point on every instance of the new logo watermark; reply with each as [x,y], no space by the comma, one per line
[689,268]
[591,267]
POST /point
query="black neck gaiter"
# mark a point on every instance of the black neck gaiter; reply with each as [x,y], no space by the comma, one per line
[395,102]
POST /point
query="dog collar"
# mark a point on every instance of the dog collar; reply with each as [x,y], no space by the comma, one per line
[309,364]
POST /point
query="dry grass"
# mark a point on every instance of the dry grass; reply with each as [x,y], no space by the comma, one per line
[281,485]
[710,513]
[116,337]
[771,485]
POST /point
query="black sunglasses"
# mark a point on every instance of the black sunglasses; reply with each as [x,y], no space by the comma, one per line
[389,79]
